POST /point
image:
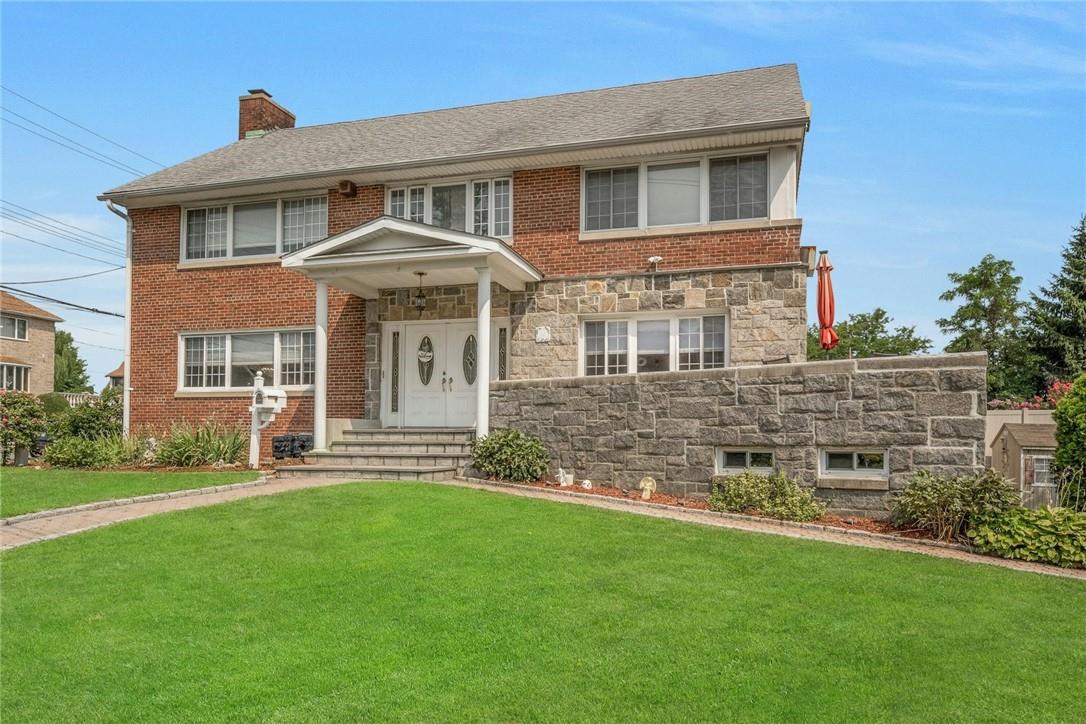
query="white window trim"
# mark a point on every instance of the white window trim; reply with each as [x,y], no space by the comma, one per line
[722,468]
[643,164]
[230,204]
[26,329]
[26,376]
[469,196]
[868,474]
[182,336]
[673,335]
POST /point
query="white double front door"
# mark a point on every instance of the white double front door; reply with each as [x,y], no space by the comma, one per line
[440,374]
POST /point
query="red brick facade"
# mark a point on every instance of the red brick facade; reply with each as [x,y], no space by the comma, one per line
[258,112]
[546,222]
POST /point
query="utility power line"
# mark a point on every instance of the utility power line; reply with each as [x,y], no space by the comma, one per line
[84,128]
[58,221]
[99,346]
[57,248]
[87,329]
[65,279]
[70,305]
[71,148]
[59,233]
[85,147]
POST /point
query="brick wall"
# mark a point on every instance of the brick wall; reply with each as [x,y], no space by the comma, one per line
[37,351]
[546,230]
[167,300]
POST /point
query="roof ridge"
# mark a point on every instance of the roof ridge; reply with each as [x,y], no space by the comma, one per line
[532,98]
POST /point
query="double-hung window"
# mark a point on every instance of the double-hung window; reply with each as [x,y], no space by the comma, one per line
[260,228]
[480,206]
[656,344]
[12,327]
[232,361]
[14,377]
[654,194]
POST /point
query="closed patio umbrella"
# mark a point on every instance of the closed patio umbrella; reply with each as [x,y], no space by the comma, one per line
[827,337]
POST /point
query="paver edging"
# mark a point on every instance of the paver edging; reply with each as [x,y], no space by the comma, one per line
[728,516]
[117,502]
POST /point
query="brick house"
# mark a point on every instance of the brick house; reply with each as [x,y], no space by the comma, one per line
[405,271]
[26,346]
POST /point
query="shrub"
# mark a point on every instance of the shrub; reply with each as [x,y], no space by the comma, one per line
[208,444]
[22,420]
[946,506]
[96,418]
[1070,419]
[78,452]
[54,404]
[1046,535]
[510,455]
[776,495]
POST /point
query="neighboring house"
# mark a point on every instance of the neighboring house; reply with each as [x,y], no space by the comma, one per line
[1023,453]
[115,378]
[410,270]
[26,346]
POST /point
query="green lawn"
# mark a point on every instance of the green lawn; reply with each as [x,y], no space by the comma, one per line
[418,602]
[26,490]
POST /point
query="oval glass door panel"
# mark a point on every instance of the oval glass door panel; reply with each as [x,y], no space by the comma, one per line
[471,359]
[426,360]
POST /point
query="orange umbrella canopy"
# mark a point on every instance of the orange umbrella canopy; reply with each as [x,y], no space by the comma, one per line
[827,337]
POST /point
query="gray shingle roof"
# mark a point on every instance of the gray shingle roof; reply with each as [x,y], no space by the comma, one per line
[739,98]
[1032,435]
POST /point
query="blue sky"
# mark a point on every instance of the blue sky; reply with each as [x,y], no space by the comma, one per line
[940,132]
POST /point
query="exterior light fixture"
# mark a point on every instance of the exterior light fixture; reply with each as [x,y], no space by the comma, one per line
[420,298]
[654,262]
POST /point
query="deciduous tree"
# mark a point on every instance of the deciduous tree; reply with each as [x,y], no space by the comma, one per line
[868,334]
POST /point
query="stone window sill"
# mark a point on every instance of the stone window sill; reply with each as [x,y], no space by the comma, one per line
[235,261]
[686,229]
[849,483]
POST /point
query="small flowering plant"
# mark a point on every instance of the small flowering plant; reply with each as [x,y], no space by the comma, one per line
[22,420]
[1052,395]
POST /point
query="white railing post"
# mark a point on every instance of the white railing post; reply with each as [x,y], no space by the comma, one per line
[482,387]
[320,376]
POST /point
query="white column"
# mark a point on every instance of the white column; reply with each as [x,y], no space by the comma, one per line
[320,376]
[482,387]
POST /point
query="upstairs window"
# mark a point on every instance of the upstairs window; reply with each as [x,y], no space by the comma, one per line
[482,206]
[698,190]
[12,327]
[738,188]
[258,229]
[611,199]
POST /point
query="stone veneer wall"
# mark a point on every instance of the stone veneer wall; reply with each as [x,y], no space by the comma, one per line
[766,309]
[926,412]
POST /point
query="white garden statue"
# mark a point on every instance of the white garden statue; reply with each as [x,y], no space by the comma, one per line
[648,487]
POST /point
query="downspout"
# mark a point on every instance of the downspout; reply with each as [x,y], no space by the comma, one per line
[127,400]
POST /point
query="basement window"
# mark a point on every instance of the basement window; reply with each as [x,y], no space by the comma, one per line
[736,461]
[856,463]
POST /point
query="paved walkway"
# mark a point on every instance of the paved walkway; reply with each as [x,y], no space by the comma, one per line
[46,528]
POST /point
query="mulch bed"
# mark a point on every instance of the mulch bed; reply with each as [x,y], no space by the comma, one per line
[871,525]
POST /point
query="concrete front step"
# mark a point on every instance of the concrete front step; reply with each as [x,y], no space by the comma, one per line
[405,446]
[436,434]
[392,459]
[407,472]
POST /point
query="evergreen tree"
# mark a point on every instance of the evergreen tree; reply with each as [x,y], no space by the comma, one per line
[69,370]
[1057,316]
[867,334]
[989,319]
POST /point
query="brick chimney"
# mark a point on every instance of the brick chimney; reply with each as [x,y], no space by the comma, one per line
[258,114]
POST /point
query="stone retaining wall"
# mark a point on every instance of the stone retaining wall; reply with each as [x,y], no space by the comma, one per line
[923,412]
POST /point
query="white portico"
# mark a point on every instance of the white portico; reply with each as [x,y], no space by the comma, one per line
[441,369]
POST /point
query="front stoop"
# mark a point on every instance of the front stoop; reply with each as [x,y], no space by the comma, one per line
[389,454]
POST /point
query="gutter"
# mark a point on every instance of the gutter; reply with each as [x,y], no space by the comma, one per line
[127,401]
[804,121]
